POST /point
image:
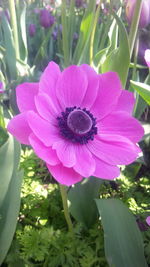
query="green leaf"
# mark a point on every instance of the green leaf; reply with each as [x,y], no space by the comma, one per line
[143,90]
[123,240]
[10,181]
[119,59]
[9,213]
[10,54]
[85,32]
[23,35]
[3,136]
[9,160]
[81,198]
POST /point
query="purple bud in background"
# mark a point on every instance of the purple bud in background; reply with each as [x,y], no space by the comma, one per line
[144,44]
[46,19]
[1,88]
[145,12]
[7,14]
[148,220]
[75,36]
[32,29]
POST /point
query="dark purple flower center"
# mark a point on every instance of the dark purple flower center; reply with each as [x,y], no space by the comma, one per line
[77,124]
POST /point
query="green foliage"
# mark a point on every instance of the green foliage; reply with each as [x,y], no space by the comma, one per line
[122,236]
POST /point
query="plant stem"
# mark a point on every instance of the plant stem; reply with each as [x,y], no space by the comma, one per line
[14,26]
[63,191]
[134,25]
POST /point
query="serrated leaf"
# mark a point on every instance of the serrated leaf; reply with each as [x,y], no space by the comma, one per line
[123,240]
[81,198]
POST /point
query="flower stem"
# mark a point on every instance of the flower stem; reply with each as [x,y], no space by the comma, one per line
[63,191]
[134,25]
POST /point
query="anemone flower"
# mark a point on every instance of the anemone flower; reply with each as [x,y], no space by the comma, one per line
[77,121]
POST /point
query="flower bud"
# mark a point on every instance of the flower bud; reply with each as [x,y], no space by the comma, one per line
[145,12]
[147,57]
[32,29]
[46,19]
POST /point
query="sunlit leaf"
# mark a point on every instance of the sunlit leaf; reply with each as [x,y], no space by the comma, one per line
[143,90]
[119,59]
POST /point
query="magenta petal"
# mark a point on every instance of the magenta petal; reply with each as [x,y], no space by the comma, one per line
[46,107]
[19,127]
[92,88]
[45,153]
[25,96]
[71,87]
[104,170]
[44,131]
[115,150]
[85,164]
[65,152]
[64,175]
[121,123]
[48,81]
[126,102]
[108,94]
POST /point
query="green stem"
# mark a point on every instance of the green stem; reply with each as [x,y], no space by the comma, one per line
[134,25]
[65,33]
[14,26]
[63,191]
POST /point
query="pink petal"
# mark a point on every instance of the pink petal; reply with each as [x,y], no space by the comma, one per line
[85,164]
[25,96]
[115,150]
[48,81]
[126,102]
[71,87]
[46,132]
[121,123]
[45,153]
[64,175]
[104,170]
[65,152]
[46,108]
[19,127]
[108,94]
[147,57]
[93,86]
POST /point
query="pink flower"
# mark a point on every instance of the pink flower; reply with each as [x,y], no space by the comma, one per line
[145,12]
[147,57]
[148,220]
[78,122]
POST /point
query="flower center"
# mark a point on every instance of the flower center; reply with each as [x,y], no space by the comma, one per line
[77,125]
[79,122]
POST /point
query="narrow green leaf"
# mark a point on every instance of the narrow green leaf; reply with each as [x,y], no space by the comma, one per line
[3,136]
[10,181]
[119,59]
[9,213]
[143,90]
[23,42]
[65,33]
[81,198]
[10,54]
[9,159]
[123,240]
[85,32]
